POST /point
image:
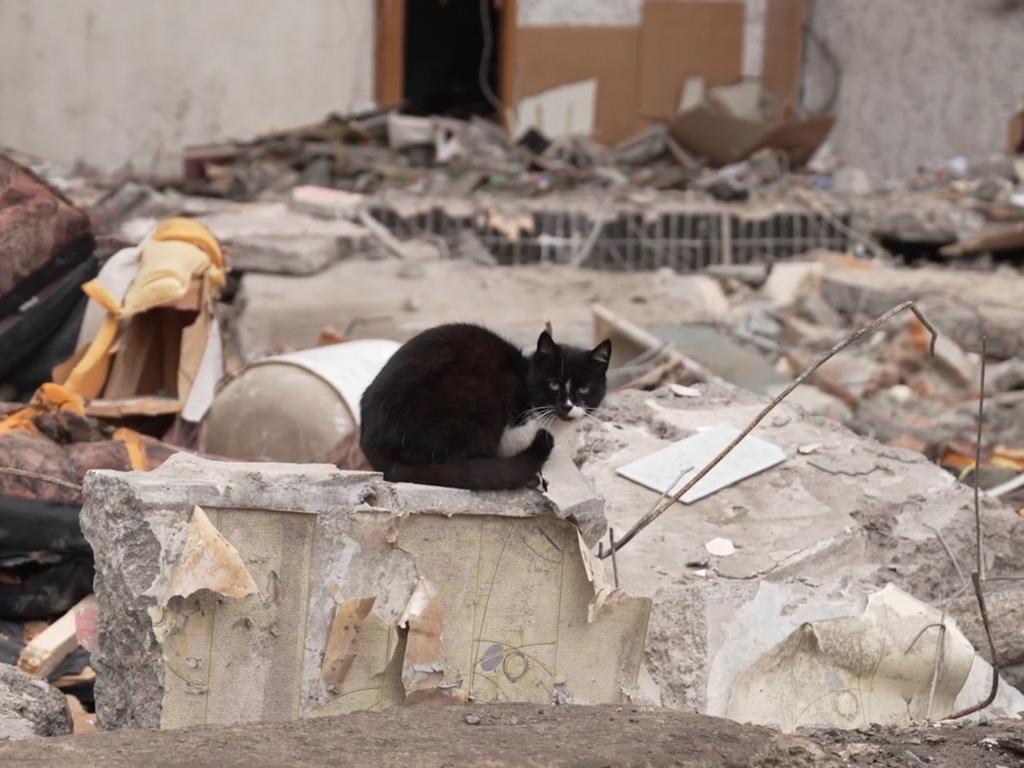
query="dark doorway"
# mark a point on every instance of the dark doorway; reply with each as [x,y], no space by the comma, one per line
[445,42]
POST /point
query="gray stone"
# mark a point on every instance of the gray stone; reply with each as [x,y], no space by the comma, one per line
[30,708]
[286,255]
[1006,620]
[270,237]
[816,402]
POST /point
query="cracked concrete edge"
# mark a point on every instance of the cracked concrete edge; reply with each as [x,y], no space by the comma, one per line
[294,488]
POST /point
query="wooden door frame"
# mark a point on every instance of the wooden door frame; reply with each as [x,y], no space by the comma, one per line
[389,85]
[389,70]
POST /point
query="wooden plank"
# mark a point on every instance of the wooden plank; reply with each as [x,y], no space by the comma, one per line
[683,40]
[51,646]
[87,675]
[390,53]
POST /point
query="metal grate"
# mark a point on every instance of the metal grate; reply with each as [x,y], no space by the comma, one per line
[633,240]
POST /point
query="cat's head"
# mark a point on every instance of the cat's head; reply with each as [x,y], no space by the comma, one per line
[568,380]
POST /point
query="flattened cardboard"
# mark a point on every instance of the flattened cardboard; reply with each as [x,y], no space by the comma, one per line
[568,110]
[783,49]
[723,139]
[1016,133]
[549,57]
[683,40]
[660,471]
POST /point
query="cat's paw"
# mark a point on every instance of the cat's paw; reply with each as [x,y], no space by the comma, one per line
[537,481]
[539,450]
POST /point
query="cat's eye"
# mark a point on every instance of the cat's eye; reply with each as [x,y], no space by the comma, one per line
[583,390]
[554,386]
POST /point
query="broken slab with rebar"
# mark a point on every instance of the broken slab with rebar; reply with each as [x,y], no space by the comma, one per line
[736,576]
[232,592]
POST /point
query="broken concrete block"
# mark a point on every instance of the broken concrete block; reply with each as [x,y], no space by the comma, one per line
[839,505]
[698,295]
[327,203]
[286,254]
[1006,619]
[867,667]
[572,494]
[788,654]
[789,281]
[367,595]
[270,237]
[816,402]
[30,708]
[952,301]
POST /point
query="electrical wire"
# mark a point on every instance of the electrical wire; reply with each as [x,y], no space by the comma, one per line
[485,61]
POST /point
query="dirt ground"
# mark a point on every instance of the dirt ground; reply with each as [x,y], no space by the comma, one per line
[524,735]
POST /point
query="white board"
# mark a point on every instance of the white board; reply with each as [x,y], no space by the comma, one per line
[660,471]
[568,110]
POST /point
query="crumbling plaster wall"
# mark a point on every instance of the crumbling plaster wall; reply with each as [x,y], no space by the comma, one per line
[110,82]
[919,80]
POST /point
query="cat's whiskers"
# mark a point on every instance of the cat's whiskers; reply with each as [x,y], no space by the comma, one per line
[537,412]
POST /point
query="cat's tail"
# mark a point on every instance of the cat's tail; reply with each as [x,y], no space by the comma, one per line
[486,474]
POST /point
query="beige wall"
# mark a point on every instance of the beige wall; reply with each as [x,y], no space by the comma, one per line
[116,81]
[921,80]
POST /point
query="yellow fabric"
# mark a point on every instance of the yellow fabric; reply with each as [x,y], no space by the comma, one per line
[54,397]
[191,231]
[166,269]
[132,441]
[88,377]
[94,290]
[20,420]
[179,250]
[47,399]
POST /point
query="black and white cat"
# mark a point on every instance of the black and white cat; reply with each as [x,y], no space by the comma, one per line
[459,406]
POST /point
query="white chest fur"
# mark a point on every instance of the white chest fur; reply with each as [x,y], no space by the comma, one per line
[517,439]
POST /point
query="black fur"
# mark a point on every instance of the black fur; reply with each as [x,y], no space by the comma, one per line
[436,412]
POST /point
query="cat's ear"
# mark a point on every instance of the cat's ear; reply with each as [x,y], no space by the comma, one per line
[546,345]
[602,353]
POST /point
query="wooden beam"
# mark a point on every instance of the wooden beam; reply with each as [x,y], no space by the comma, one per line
[51,646]
[390,53]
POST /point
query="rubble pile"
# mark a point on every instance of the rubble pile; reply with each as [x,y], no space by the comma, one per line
[891,387]
[243,310]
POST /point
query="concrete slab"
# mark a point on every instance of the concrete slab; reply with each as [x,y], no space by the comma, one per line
[271,237]
[842,517]
[312,591]
[954,301]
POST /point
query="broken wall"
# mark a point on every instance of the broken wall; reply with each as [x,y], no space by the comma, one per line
[958,78]
[109,82]
[641,51]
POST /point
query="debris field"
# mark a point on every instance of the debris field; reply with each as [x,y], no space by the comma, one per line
[792,534]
